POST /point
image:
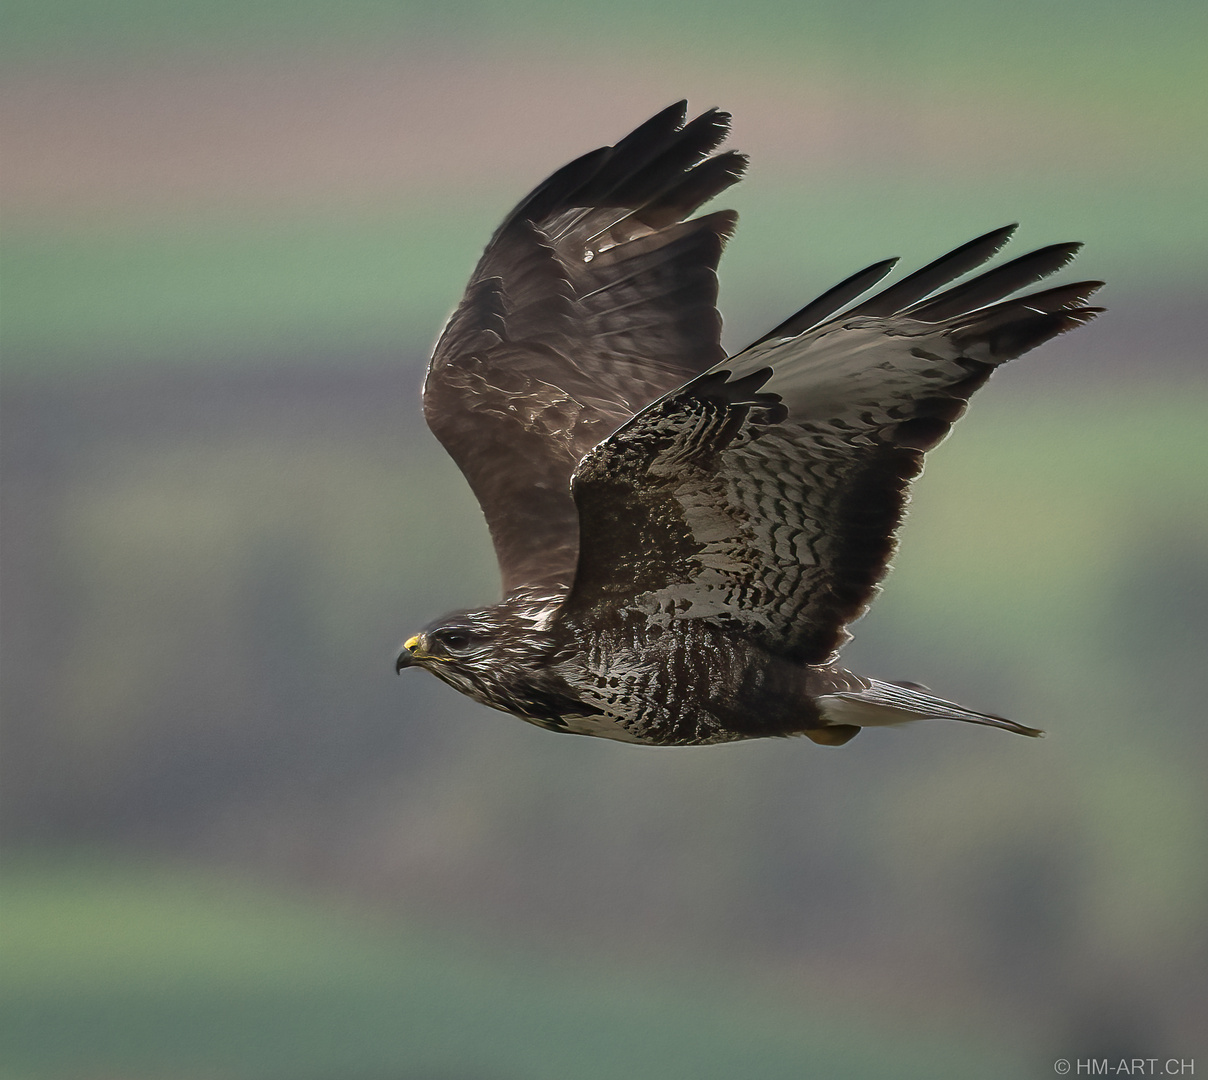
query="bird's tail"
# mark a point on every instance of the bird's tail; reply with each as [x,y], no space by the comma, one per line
[881,704]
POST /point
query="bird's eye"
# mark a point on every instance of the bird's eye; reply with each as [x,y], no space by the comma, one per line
[455,639]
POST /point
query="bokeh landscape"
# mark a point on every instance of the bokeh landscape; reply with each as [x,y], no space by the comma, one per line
[236,846]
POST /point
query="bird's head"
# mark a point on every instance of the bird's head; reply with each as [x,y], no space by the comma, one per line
[477,652]
[451,647]
[492,654]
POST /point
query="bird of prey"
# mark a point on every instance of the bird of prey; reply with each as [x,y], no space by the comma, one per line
[684,536]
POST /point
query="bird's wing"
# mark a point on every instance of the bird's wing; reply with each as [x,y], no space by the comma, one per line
[593,298]
[765,493]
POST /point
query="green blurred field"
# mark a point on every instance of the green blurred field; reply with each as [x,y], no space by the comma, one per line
[1137,55]
[209,288]
[111,968]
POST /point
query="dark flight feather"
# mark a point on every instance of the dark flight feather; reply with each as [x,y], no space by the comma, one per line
[994,284]
[935,274]
[592,299]
[829,302]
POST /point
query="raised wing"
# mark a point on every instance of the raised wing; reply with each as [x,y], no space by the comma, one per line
[593,298]
[765,494]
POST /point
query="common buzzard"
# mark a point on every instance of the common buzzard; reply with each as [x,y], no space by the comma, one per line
[683,536]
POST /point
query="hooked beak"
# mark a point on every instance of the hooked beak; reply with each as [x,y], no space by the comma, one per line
[410,655]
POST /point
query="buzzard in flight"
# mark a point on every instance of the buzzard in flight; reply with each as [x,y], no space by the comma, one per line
[683,536]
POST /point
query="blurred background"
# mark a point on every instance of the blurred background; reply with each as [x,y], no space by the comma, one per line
[235,845]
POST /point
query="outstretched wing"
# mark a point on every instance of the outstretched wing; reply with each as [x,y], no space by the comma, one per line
[593,298]
[764,495]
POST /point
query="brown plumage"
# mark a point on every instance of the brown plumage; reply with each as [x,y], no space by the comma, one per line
[683,537]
